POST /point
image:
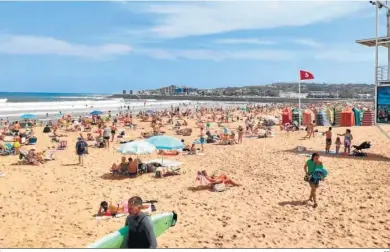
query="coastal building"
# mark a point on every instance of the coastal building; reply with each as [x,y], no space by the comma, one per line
[318,94]
[365,96]
[283,94]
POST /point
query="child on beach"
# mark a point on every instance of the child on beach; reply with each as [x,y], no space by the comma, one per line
[328,135]
[347,141]
[202,138]
[338,144]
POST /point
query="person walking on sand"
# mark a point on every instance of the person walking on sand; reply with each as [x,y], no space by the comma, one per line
[309,168]
[141,234]
[107,136]
[81,149]
[328,139]
[310,130]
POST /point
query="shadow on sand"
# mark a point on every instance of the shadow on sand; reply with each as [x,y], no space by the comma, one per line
[369,157]
[294,203]
[74,164]
[110,176]
[199,188]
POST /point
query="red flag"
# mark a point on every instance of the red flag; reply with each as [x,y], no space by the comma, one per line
[304,75]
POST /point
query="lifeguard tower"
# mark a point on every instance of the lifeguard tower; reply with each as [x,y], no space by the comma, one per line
[382,76]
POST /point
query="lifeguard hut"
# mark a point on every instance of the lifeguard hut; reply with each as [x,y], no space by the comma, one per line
[382,77]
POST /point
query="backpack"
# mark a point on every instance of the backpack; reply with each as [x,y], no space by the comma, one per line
[81,146]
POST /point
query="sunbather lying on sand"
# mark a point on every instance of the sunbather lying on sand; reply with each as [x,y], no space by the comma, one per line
[110,210]
[168,153]
[220,179]
[106,209]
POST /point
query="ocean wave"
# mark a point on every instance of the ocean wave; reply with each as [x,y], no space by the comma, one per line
[83,106]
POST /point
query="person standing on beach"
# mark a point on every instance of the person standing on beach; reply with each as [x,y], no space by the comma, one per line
[107,135]
[141,234]
[347,141]
[113,131]
[240,134]
[202,138]
[328,135]
[309,168]
[81,149]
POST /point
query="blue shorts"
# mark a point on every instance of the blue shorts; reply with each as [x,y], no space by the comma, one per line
[202,140]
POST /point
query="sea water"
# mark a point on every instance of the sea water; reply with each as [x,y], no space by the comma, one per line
[49,105]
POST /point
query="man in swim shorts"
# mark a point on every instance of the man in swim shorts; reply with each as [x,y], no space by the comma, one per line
[107,136]
[141,234]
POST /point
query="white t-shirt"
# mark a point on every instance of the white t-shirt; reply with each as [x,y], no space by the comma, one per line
[106,132]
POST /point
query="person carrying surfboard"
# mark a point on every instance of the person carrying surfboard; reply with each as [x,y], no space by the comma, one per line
[141,234]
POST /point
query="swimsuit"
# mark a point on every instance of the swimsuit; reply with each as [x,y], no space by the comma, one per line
[347,141]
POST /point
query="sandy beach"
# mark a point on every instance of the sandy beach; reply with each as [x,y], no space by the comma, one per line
[52,205]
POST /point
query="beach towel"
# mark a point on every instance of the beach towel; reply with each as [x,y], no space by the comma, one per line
[110,217]
[318,174]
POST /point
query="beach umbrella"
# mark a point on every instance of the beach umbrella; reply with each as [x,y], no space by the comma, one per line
[138,147]
[166,143]
[96,112]
[28,116]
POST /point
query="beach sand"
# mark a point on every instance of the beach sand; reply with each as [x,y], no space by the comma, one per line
[52,205]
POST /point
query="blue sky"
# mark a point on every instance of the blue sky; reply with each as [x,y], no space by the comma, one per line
[104,47]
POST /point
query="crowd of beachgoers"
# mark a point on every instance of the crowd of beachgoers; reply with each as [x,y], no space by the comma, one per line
[236,175]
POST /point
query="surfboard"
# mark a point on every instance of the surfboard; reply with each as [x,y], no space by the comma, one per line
[161,223]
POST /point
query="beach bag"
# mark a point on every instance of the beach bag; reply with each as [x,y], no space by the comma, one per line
[219,187]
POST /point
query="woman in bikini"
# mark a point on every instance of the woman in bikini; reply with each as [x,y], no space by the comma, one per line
[110,210]
[220,179]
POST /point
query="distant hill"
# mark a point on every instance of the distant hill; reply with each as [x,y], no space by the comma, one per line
[341,90]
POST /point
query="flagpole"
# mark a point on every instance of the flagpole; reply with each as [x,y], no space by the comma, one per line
[299,101]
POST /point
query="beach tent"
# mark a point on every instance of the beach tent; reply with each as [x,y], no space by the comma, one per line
[356,113]
[330,114]
[322,119]
[308,116]
[347,118]
[368,118]
[296,115]
[337,116]
[286,116]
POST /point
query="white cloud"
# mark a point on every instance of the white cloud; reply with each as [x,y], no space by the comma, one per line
[245,41]
[202,18]
[275,41]
[306,42]
[33,45]
[345,53]
[219,55]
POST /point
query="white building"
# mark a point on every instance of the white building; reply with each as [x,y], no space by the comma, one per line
[291,95]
